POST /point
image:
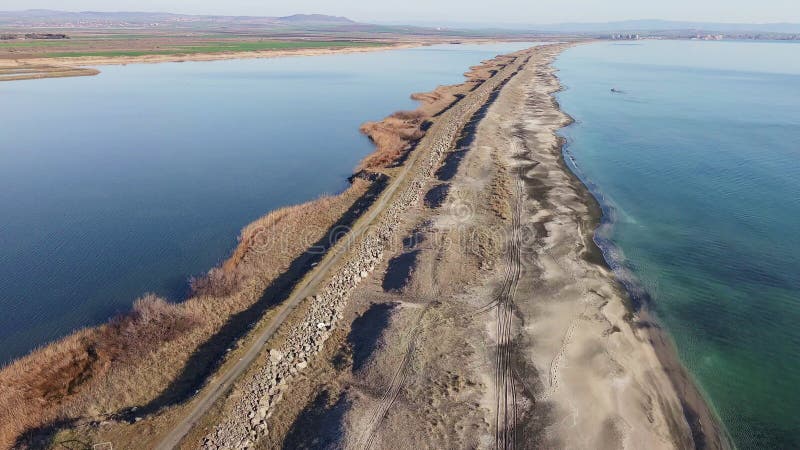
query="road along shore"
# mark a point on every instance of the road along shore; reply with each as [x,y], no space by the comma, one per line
[489,319]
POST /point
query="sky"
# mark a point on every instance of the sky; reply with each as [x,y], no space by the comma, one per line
[456,11]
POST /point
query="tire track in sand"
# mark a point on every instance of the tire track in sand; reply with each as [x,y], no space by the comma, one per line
[505,383]
[367,438]
[505,387]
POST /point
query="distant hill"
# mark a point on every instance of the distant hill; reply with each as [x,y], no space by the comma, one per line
[316,18]
[626,26]
[666,25]
[50,18]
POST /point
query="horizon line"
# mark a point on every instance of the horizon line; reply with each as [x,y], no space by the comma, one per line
[411,22]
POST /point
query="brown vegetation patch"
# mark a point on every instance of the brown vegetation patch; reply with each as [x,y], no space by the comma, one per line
[13,71]
[393,136]
[397,134]
[500,192]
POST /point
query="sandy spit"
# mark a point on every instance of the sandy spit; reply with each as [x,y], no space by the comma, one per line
[611,371]
[494,321]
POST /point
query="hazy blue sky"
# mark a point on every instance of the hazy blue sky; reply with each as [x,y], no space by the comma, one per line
[484,11]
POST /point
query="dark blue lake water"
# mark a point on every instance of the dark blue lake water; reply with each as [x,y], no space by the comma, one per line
[136,179]
[697,164]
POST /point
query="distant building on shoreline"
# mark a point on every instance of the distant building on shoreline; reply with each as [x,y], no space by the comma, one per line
[625,37]
[709,37]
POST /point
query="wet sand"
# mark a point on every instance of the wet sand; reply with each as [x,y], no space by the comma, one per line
[610,374]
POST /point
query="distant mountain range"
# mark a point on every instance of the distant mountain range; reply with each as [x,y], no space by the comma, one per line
[91,19]
[46,17]
[666,25]
[625,26]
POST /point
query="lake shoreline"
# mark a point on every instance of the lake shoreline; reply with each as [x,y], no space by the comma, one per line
[707,429]
[58,67]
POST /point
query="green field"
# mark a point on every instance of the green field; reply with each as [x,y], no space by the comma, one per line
[219,47]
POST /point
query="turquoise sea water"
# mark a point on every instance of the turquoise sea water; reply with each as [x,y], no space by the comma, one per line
[136,179]
[697,165]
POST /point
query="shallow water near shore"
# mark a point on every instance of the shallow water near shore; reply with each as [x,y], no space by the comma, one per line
[134,180]
[697,165]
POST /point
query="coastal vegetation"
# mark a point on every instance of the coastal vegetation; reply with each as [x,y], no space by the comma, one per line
[397,134]
[393,136]
[33,71]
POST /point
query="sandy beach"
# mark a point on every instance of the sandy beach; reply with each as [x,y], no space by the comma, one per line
[493,322]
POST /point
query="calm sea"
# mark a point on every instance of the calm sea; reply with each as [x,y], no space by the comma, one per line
[697,165]
[134,180]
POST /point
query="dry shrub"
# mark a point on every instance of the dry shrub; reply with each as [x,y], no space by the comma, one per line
[393,137]
[34,389]
[415,115]
[427,97]
[269,244]
[434,101]
[30,386]
[152,321]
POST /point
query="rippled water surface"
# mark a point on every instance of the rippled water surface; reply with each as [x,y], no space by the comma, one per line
[697,163]
[134,180]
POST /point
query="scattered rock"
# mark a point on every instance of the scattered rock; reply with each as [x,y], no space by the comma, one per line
[275,355]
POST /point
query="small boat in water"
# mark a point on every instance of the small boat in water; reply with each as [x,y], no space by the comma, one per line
[616,91]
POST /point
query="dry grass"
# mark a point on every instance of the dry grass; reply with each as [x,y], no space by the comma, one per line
[14,71]
[396,135]
[500,192]
[393,136]
[129,361]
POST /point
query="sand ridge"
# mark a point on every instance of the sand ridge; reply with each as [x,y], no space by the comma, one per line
[493,322]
